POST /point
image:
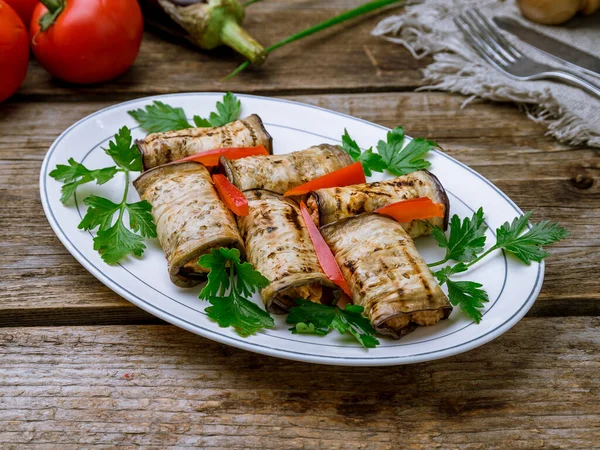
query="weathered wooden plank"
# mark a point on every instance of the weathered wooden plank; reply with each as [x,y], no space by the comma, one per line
[536,386]
[504,145]
[346,58]
[42,284]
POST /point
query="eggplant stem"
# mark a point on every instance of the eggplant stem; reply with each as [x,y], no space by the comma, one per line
[351,14]
[238,39]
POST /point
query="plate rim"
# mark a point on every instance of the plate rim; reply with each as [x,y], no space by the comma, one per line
[259,348]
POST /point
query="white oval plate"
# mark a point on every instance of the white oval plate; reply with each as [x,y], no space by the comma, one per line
[511,285]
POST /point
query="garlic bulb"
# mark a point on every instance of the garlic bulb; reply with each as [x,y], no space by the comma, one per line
[554,12]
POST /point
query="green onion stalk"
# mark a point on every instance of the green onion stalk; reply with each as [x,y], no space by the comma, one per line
[351,14]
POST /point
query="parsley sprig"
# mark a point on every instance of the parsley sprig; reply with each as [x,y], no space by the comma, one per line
[314,318]
[114,239]
[466,242]
[466,239]
[160,117]
[229,283]
[371,162]
[390,154]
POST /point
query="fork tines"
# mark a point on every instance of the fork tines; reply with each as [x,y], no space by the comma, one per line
[482,35]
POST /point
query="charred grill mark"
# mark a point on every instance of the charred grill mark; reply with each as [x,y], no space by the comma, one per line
[227,137]
[167,154]
[351,265]
[357,208]
[292,216]
[417,271]
[251,131]
[403,183]
[266,215]
[371,191]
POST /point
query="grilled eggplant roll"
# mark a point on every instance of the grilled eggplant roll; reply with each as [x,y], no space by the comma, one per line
[328,205]
[279,247]
[386,274]
[190,218]
[280,173]
[162,148]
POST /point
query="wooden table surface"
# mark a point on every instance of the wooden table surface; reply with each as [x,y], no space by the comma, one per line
[81,367]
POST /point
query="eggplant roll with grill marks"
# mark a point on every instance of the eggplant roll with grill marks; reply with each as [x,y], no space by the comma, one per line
[162,148]
[331,204]
[278,246]
[386,274]
[280,173]
[190,218]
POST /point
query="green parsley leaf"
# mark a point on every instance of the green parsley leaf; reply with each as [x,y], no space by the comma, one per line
[466,240]
[228,111]
[350,146]
[392,146]
[140,218]
[371,162]
[443,275]
[401,161]
[315,318]
[76,174]
[528,246]
[218,262]
[243,315]
[100,213]
[201,123]
[116,242]
[302,328]
[469,296]
[226,292]
[249,279]
[123,153]
[160,117]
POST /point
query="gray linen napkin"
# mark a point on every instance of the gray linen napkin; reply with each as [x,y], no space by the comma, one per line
[570,114]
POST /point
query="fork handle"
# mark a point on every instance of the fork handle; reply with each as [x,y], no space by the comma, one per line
[572,79]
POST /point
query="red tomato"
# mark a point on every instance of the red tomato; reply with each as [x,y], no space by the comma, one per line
[14,51]
[233,198]
[24,8]
[90,41]
[346,176]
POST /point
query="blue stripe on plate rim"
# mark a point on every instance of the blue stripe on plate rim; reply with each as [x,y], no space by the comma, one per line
[245,343]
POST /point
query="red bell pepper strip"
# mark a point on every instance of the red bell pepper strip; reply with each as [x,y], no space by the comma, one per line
[324,254]
[408,210]
[346,176]
[233,198]
[210,158]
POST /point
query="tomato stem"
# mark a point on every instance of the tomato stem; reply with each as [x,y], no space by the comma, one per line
[53,5]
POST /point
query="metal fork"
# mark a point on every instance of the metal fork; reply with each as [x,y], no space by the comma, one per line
[482,35]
